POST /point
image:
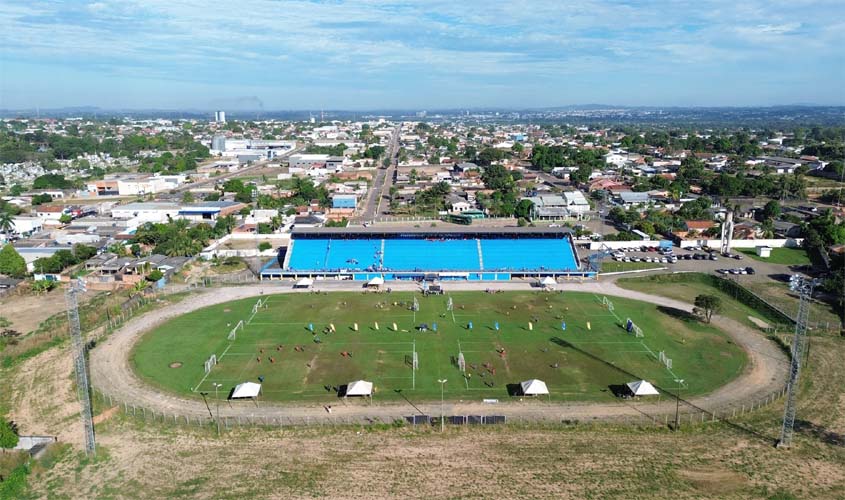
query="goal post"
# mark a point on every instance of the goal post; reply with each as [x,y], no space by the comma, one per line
[233,333]
[462,364]
[210,362]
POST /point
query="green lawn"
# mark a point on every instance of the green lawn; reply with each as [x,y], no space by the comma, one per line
[588,361]
[784,256]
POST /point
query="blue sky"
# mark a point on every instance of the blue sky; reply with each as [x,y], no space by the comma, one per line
[426,54]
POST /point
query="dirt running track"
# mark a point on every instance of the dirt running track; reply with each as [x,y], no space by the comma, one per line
[112,374]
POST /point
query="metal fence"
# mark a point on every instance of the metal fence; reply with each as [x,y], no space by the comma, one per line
[689,414]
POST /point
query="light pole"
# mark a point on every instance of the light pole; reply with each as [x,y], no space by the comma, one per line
[442,383]
[217,398]
[679,381]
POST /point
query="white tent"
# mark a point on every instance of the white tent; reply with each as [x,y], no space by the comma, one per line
[246,390]
[534,387]
[304,283]
[642,388]
[377,281]
[548,281]
[359,388]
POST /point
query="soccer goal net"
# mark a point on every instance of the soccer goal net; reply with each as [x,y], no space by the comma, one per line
[210,362]
[233,333]
[462,364]
[416,363]
[607,303]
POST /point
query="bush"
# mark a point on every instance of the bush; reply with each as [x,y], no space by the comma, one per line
[8,434]
[155,275]
[264,245]
[11,263]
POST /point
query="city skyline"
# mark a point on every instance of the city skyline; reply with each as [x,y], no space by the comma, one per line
[435,55]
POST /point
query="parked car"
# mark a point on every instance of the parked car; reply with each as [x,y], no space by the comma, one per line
[750,270]
[713,257]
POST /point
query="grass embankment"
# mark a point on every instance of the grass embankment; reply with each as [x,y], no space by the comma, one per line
[172,355]
[688,286]
[617,267]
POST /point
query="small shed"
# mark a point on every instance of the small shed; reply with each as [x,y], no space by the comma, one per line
[764,251]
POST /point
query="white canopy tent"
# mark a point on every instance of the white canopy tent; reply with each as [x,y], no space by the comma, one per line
[304,283]
[376,282]
[534,387]
[359,388]
[548,281]
[246,390]
[642,388]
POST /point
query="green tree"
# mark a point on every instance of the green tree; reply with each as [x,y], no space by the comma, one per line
[188,197]
[8,434]
[708,305]
[11,263]
[6,224]
[524,209]
[65,219]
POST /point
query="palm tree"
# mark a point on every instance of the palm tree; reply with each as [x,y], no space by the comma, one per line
[6,224]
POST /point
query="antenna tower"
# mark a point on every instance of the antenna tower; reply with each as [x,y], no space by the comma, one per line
[804,287]
[82,384]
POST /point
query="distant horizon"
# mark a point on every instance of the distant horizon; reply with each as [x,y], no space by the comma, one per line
[432,54]
[476,109]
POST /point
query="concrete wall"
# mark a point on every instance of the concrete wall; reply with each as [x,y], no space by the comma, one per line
[774,243]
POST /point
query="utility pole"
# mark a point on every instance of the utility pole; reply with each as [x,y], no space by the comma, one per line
[82,385]
[442,382]
[679,381]
[804,287]
[217,398]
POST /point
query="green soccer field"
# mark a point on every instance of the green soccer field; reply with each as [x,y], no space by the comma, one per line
[578,363]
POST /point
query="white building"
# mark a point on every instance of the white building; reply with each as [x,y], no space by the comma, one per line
[146,212]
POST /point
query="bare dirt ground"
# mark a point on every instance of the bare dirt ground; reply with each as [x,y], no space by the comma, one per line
[712,461]
[26,312]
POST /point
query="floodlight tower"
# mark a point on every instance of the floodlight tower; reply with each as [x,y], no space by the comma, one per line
[804,287]
[82,386]
[727,232]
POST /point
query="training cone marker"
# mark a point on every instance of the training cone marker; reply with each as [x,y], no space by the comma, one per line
[469,325]
[530,326]
[311,326]
[496,326]
[394,328]
[355,327]
[331,327]
[434,327]
[376,325]
[588,326]
[563,326]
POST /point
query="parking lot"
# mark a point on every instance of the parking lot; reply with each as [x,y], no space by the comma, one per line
[698,259]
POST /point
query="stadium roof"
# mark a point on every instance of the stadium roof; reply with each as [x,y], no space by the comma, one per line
[382,231]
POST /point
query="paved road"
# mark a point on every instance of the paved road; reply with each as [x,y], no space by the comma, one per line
[382,182]
[111,373]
